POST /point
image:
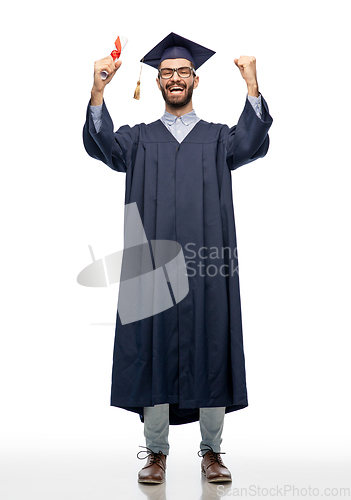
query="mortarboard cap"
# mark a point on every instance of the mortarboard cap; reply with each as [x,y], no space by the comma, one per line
[173,47]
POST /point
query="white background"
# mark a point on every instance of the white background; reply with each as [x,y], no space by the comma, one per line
[292,212]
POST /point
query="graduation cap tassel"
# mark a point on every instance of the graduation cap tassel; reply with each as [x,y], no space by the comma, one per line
[137,90]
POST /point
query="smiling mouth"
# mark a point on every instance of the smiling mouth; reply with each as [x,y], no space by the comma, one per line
[176,89]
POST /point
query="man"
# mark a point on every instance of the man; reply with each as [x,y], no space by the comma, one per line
[185,363]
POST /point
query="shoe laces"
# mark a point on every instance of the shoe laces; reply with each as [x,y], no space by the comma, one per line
[155,458]
[213,456]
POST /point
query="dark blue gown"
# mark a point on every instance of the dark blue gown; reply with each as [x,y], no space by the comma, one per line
[190,355]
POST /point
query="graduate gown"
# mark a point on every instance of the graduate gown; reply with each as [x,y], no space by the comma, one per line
[190,355]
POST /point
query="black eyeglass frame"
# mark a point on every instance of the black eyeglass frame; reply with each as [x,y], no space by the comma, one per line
[177,70]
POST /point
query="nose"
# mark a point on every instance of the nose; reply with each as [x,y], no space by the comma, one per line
[176,76]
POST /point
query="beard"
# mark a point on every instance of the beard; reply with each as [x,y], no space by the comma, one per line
[177,102]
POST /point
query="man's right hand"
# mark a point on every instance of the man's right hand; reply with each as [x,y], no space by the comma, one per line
[110,66]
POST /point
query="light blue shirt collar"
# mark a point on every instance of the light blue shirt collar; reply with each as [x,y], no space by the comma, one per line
[187,119]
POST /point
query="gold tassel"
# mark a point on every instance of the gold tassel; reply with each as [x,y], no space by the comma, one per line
[137,90]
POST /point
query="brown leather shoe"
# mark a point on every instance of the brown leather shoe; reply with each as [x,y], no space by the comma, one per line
[155,468]
[213,468]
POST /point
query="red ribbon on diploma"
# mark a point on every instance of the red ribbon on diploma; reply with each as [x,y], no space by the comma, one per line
[116,53]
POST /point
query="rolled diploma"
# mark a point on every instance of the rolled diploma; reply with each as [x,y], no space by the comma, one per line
[123,40]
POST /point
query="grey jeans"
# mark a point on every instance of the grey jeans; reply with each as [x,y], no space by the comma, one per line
[156,427]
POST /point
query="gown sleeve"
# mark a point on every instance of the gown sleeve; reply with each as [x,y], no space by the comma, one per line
[115,149]
[248,140]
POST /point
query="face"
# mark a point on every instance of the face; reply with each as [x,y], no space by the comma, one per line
[176,91]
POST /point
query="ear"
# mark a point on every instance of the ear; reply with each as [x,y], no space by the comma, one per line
[196,81]
[158,83]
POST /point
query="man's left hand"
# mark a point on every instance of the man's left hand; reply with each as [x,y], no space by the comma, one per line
[247,67]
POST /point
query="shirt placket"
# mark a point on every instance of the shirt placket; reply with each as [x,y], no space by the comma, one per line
[178,124]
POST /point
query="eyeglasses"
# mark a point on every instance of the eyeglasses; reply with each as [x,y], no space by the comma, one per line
[167,73]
